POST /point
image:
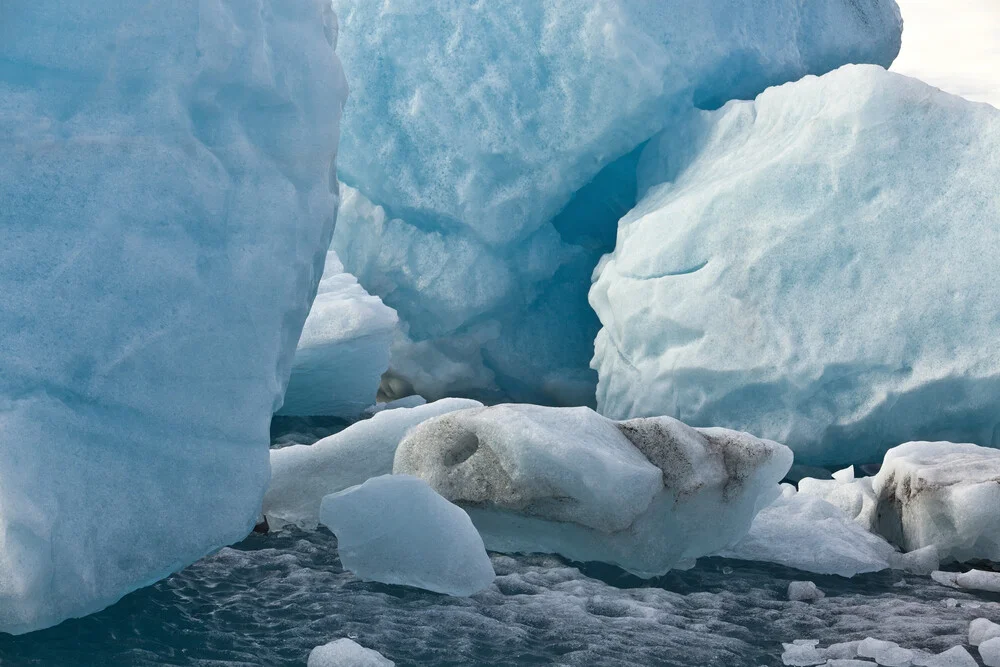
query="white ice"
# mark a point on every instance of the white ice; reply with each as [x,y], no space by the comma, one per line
[981,630]
[301,475]
[166,205]
[396,529]
[346,653]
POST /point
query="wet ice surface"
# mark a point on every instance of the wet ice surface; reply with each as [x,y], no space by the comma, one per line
[273,598]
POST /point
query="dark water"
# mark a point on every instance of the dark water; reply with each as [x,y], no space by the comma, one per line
[272,598]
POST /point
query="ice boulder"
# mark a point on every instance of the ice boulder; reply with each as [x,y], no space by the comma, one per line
[396,529]
[343,350]
[301,475]
[817,266]
[805,532]
[646,495]
[942,494]
[166,202]
[494,147]
[346,653]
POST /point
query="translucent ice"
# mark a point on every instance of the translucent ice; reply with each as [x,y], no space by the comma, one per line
[397,530]
[804,591]
[166,207]
[989,651]
[646,495]
[346,653]
[301,475]
[817,267]
[343,350]
[505,153]
[982,629]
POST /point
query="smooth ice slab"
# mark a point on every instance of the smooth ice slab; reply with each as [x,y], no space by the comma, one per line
[817,267]
[500,139]
[166,207]
[301,475]
[343,350]
[396,529]
[646,495]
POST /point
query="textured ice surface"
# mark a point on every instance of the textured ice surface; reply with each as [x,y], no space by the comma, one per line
[346,653]
[942,494]
[646,494]
[302,474]
[982,629]
[397,530]
[816,267]
[166,203]
[343,350]
[501,139]
[804,591]
[290,589]
[855,496]
[808,533]
[989,651]
[976,580]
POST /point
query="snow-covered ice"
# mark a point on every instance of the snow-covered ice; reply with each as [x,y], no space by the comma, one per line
[816,267]
[346,653]
[647,495]
[343,350]
[396,529]
[504,155]
[166,204]
[805,532]
[301,475]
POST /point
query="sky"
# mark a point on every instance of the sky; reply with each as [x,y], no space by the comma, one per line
[954,45]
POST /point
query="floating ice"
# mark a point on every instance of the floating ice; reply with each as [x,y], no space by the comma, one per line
[343,350]
[646,495]
[166,207]
[505,153]
[982,629]
[855,497]
[976,580]
[397,530]
[989,651]
[346,653]
[804,591]
[301,475]
[888,654]
[956,656]
[942,494]
[808,533]
[817,267]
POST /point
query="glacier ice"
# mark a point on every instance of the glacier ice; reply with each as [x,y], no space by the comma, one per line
[989,651]
[166,207]
[492,169]
[343,349]
[805,532]
[346,653]
[981,630]
[396,529]
[804,591]
[647,495]
[301,475]
[817,266]
[974,580]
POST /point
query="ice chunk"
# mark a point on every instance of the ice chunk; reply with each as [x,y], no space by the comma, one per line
[804,591]
[889,654]
[346,653]
[956,656]
[976,580]
[942,494]
[646,495]
[989,651]
[166,207]
[810,534]
[774,277]
[920,561]
[343,350]
[302,474]
[504,155]
[803,653]
[396,529]
[856,497]
[981,630]
[846,475]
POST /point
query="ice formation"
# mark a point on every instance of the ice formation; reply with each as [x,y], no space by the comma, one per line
[989,651]
[975,580]
[804,591]
[646,495]
[504,155]
[805,532]
[817,267]
[301,475]
[981,630]
[343,350]
[869,652]
[166,207]
[346,653]
[396,529]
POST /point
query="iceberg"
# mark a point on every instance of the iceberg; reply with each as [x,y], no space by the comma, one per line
[491,170]
[646,495]
[346,653]
[343,350]
[168,203]
[817,267]
[395,529]
[301,475]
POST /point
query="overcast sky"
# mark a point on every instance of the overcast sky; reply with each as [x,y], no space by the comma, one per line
[954,45]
